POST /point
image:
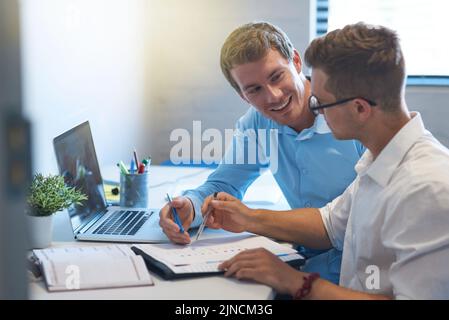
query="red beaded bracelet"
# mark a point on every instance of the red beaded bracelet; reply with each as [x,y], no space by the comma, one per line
[306,286]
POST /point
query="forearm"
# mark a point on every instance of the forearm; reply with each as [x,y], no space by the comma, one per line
[302,226]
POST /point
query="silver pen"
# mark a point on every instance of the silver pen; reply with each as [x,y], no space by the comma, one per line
[203,224]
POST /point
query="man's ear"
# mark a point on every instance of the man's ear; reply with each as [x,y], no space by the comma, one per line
[363,109]
[297,61]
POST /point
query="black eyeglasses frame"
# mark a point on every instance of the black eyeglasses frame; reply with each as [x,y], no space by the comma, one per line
[315,110]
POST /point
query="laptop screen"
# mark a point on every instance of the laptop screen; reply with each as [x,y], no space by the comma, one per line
[78,164]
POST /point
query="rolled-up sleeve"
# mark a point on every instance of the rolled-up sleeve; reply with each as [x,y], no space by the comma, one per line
[196,202]
[335,216]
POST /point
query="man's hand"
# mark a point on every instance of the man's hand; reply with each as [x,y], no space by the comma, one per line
[226,213]
[263,266]
[185,211]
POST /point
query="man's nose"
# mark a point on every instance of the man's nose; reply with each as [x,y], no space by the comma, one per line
[273,94]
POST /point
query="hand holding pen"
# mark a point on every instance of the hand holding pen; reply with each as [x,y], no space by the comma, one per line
[205,217]
[226,212]
[175,215]
[184,209]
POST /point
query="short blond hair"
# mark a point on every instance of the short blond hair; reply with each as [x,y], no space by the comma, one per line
[361,60]
[251,42]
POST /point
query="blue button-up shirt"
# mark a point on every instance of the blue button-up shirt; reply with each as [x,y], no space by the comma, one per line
[312,166]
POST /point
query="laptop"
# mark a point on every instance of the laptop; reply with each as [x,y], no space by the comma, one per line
[95,220]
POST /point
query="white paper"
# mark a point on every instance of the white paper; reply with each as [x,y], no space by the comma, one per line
[205,255]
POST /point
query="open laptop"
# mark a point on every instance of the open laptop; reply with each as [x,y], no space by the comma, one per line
[95,220]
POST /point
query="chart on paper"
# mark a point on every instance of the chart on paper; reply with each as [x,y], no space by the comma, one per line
[211,251]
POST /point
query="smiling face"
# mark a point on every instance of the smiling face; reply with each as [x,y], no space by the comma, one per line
[276,88]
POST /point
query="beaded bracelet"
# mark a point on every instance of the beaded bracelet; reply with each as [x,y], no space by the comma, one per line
[306,286]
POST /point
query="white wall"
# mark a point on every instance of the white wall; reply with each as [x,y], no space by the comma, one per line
[85,60]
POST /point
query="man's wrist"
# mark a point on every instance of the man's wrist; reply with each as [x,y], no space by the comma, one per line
[295,282]
[251,220]
[192,212]
[304,290]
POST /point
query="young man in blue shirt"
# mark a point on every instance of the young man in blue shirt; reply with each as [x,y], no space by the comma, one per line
[312,167]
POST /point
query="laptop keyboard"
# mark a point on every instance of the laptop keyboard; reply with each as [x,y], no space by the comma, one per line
[123,222]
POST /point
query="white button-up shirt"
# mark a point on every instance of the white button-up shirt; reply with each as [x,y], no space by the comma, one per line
[392,222]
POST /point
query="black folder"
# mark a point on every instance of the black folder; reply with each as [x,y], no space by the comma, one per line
[162,270]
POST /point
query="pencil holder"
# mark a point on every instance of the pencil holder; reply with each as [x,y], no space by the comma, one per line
[134,190]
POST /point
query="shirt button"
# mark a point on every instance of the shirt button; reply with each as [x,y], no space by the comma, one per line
[304,171]
[308,205]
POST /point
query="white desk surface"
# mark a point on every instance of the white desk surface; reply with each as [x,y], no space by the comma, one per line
[166,179]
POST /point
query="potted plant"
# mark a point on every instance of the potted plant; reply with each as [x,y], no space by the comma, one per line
[48,195]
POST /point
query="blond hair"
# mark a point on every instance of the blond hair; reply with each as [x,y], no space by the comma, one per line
[361,60]
[251,42]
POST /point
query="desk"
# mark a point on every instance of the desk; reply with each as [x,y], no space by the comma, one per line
[164,179]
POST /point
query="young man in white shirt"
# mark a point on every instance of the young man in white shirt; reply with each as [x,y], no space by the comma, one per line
[392,222]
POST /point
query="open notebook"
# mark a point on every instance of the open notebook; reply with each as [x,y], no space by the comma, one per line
[87,267]
[201,258]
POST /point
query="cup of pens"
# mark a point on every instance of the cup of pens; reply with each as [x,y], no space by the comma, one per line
[134,186]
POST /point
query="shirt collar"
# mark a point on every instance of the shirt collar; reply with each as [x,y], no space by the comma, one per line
[381,170]
[319,127]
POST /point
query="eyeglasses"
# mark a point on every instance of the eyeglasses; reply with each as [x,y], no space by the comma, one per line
[315,105]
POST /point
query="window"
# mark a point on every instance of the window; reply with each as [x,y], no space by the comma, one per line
[422,27]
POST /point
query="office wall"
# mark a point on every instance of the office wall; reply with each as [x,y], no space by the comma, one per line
[85,60]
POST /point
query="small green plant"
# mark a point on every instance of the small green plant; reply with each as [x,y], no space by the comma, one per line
[50,194]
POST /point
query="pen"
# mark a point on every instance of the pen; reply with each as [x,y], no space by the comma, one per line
[122,167]
[147,163]
[203,224]
[175,215]
[131,166]
[136,159]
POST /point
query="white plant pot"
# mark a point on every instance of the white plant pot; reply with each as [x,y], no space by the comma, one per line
[40,231]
